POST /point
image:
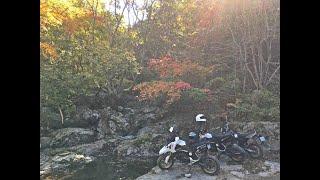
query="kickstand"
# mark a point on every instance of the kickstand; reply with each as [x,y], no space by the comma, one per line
[188,174]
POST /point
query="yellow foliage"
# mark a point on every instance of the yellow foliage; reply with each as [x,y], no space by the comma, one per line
[58,12]
[48,50]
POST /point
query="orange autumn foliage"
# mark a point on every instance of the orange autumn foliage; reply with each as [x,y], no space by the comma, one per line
[182,75]
[187,71]
[48,50]
[152,90]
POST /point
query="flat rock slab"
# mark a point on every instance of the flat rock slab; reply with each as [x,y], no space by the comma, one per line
[231,172]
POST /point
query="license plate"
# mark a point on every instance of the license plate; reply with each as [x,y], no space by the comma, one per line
[262,139]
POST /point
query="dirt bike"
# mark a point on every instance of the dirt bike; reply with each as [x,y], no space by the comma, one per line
[250,142]
[176,149]
[225,144]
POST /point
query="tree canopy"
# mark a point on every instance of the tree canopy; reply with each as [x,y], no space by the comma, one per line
[226,52]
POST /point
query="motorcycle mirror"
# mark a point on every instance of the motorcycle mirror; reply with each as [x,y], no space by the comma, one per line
[171,129]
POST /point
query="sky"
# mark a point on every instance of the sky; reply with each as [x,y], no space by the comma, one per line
[127,15]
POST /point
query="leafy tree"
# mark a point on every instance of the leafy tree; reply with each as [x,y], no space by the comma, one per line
[77,56]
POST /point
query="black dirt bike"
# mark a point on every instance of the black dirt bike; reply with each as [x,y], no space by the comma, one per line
[250,142]
[226,144]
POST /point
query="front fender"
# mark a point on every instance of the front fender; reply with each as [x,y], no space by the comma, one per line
[237,147]
[164,150]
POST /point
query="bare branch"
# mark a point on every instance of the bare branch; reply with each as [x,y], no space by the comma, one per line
[61,115]
[273,74]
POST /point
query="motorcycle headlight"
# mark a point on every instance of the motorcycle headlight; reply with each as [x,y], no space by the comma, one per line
[236,135]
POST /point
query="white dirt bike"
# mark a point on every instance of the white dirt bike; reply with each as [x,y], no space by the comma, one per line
[176,149]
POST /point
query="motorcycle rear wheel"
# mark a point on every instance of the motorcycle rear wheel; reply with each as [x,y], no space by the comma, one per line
[161,161]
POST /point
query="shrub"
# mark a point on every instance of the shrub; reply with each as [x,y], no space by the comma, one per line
[215,83]
[187,71]
[261,105]
[158,91]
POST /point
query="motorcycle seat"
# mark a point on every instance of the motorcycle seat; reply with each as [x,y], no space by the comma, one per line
[246,135]
[219,136]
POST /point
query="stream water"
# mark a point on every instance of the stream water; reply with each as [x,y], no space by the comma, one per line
[105,168]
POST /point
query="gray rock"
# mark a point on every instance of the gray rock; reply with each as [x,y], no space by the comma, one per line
[112,126]
[144,130]
[45,142]
[237,174]
[85,117]
[128,137]
[91,115]
[128,110]
[148,109]
[132,150]
[274,166]
[156,170]
[274,145]
[234,172]
[150,117]
[120,108]
[91,149]
[63,163]
[68,137]
[113,122]
[232,167]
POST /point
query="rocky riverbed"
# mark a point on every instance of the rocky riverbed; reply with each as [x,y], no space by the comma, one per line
[123,143]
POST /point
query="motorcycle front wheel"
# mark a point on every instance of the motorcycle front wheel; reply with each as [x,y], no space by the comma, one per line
[255,151]
[210,165]
[161,161]
[237,153]
[238,157]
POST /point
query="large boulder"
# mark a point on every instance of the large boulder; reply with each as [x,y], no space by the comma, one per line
[90,149]
[123,121]
[113,123]
[85,117]
[58,162]
[143,146]
[61,164]
[45,142]
[67,137]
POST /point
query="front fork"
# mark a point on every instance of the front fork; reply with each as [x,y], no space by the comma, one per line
[168,157]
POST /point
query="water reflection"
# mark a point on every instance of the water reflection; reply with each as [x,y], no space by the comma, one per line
[110,169]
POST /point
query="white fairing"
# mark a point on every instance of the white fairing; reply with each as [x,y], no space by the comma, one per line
[208,135]
[181,142]
[167,148]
